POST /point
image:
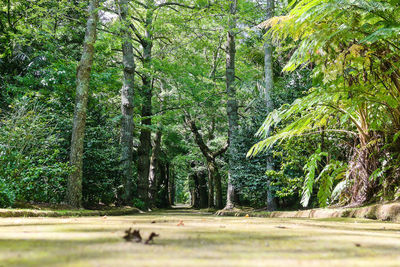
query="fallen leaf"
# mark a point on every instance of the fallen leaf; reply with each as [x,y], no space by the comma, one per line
[132,236]
[150,239]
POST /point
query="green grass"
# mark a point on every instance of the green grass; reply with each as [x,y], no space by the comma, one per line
[204,240]
[62,213]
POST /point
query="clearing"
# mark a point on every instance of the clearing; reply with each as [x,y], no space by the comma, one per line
[203,240]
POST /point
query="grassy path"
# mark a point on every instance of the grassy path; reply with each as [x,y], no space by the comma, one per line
[204,240]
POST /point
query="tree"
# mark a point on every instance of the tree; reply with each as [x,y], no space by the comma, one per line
[82,92]
[214,176]
[267,95]
[232,106]
[352,47]
[127,94]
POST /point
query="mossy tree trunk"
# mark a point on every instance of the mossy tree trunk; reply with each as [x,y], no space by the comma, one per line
[232,106]
[162,186]
[154,175]
[198,186]
[266,95]
[74,190]
[203,193]
[127,95]
[171,184]
[216,177]
[144,149]
[194,190]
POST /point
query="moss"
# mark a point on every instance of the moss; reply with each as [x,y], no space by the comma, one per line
[204,240]
[62,213]
[386,212]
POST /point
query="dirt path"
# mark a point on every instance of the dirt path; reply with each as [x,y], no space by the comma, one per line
[203,240]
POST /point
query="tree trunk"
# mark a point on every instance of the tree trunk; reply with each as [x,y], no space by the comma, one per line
[163,187]
[171,185]
[269,84]
[74,190]
[127,94]
[203,194]
[154,171]
[194,186]
[215,178]
[232,106]
[218,188]
[146,93]
[194,190]
[210,186]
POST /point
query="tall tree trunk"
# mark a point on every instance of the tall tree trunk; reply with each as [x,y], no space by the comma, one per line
[163,195]
[211,203]
[266,94]
[194,190]
[218,186]
[74,190]
[154,170]
[232,106]
[214,186]
[144,148]
[146,93]
[171,185]
[203,193]
[127,94]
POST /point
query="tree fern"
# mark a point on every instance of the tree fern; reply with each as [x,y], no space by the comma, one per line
[354,47]
[310,169]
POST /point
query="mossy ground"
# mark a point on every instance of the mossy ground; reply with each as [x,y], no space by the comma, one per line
[204,240]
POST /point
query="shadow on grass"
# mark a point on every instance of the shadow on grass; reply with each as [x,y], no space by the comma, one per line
[45,252]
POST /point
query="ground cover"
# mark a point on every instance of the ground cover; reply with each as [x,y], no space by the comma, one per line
[195,238]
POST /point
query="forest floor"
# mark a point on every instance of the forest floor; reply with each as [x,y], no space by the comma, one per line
[195,238]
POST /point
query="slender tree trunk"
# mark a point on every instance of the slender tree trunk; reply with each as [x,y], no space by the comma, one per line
[218,188]
[163,186]
[154,171]
[146,93]
[144,153]
[203,193]
[232,106]
[210,170]
[194,190]
[269,84]
[171,185]
[214,186]
[154,174]
[74,190]
[127,94]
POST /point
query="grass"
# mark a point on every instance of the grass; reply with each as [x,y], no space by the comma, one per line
[204,240]
[62,213]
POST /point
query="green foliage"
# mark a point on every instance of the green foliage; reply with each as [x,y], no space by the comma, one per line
[138,203]
[7,195]
[311,168]
[30,165]
[352,46]
[340,92]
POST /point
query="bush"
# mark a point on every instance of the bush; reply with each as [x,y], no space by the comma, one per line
[30,164]
[7,195]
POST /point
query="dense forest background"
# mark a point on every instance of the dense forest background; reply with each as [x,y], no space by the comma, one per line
[262,103]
